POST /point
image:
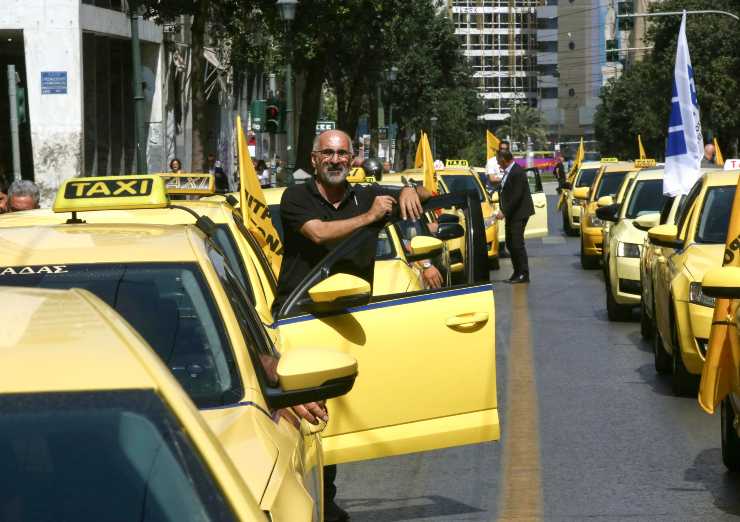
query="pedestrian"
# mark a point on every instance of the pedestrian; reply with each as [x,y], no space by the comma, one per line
[263,173]
[707,161]
[215,168]
[559,173]
[387,167]
[3,194]
[319,213]
[515,201]
[175,166]
[283,176]
[23,195]
[492,169]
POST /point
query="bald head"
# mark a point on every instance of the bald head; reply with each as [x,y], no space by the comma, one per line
[321,139]
[709,151]
[331,157]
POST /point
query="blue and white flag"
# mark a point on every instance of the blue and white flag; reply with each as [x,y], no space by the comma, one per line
[685,145]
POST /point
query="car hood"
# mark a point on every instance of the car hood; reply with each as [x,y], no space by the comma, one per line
[701,258]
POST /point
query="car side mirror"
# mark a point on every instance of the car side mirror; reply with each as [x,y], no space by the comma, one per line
[665,236]
[605,201]
[448,218]
[609,212]
[311,374]
[424,247]
[447,231]
[723,282]
[581,193]
[646,221]
[335,293]
[495,197]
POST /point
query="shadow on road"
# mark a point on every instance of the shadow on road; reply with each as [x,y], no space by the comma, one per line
[709,471]
[396,509]
[640,343]
[660,384]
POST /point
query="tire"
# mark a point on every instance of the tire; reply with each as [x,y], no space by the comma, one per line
[663,363]
[646,328]
[730,440]
[567,229]
[493,263]
[614,310]
[683,383]
[588,262]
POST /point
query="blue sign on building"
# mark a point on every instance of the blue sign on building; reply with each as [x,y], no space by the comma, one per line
[53,82]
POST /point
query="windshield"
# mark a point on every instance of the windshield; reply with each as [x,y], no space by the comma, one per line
[715,215]
[647,197]
[114,455]
[463,184]
[587,177]
[610,183]
[170,305]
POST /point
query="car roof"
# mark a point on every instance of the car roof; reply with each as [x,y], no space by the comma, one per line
[590,165]
[716,177]
[456,171]
[619,166]
[97,243]
[273,195]
[651,173]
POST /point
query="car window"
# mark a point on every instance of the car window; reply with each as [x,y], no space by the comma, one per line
[684,206]
[715,215]
[647,197]
[90,456]
[609,184]
[463,183]
[384,248]
[586,177]
[257,250]
[225,241]
[172,308]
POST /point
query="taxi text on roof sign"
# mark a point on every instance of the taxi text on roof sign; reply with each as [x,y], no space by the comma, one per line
[732,164]
[456,163]
[644,163]
[111,193]
[609,160]
[192,184]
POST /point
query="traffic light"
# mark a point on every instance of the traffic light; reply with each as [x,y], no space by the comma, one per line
[272,113]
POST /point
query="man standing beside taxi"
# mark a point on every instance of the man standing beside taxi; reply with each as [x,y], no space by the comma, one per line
[317,215]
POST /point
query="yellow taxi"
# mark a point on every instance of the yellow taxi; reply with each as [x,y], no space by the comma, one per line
[331,310]
[606,185]
[571,208]
[683,313]
[458,176]
[624,241]
[537,224]
[94,426]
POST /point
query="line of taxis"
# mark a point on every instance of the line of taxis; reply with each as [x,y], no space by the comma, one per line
[666,257]
[191,286]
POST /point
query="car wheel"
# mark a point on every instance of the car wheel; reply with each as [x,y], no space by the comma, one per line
[588,262]
[646,329]
[683,383]
[493,263]
[663,363]
[730,440]
[567,229]
[614,310]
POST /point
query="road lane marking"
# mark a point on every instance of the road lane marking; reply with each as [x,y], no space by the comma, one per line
[520,497]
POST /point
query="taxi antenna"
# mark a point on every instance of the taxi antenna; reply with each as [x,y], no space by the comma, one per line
[204,223]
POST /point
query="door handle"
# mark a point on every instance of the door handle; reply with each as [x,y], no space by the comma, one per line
[539,205]
[467,319]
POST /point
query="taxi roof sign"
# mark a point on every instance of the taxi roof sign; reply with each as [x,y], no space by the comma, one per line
[111,193]
[609,160]
[732,164]
[356,175]
[644,163]
[200,184]
[456,163]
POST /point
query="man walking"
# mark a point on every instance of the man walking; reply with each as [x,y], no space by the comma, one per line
[316,215]
[515,201]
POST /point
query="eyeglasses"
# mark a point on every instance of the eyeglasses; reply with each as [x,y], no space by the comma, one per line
[329,153]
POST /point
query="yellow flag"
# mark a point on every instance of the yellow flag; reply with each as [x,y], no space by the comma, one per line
[642,149]
[492,145]
[718,159]
[430,182]
[721,371]
[255,214]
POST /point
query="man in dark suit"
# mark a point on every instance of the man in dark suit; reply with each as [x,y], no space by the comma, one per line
[515,201]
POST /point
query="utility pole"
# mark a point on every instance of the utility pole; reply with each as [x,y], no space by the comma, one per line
[139,128]
[15,142]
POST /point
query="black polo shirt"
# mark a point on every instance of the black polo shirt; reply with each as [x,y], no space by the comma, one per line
[302,203]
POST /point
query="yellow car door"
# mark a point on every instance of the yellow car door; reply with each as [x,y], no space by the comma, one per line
[428,376]
[537,224]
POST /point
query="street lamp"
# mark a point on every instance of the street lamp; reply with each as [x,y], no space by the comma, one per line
[391,75]
[286,9]
[139,128]
[434,119]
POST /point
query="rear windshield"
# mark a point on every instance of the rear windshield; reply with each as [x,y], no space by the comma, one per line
[463,184]
[115,455]
[715,215]
[587,177]
[647,197]
[610,183]
[170,305]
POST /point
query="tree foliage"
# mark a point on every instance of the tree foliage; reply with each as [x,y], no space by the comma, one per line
[524,122]
[639,101]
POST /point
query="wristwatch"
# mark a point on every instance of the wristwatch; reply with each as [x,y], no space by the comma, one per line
[426,264]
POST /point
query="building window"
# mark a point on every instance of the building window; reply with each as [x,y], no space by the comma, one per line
[571,45]
[571,92]
[549,93]
[547,23]
[547,47]
[548,69]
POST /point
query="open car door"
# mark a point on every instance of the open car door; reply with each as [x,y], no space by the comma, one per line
[537,224]
[426,358]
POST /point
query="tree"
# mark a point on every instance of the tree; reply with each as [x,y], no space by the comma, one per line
[524,122]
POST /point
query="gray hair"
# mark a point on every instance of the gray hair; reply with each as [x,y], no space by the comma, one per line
[318,138]
[24,187]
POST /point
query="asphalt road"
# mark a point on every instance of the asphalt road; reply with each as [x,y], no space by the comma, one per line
[589,432]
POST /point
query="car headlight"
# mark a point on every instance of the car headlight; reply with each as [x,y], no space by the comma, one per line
[595,221]
[628,250]
[696,296]
[489,221]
